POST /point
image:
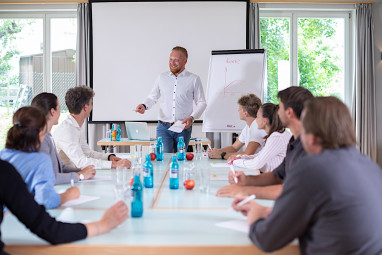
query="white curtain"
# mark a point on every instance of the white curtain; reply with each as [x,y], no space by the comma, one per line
[364,106]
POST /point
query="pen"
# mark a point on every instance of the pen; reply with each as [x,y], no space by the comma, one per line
[233,171]
[72,182]
[246,200]
[209,146]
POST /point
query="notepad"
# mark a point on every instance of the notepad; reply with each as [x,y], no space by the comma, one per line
[219,165]
[98,179]
[237,225]
[81,200]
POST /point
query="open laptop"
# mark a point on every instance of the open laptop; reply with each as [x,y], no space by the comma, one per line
[137,131]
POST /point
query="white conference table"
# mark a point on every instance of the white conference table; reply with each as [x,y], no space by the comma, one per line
[174,221]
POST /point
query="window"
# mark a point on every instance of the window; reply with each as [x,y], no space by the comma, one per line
[308,49]
[37,54]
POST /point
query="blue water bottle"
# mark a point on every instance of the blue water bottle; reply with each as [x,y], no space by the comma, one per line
[181,149]
[174,173]
[148,172]
[137,198]
[159,149]
[119,133]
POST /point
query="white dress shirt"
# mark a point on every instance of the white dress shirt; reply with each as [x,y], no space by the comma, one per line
[252,134]
[270,156]
[73,149]
[177,95]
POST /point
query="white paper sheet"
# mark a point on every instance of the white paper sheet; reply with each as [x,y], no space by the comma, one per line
[219,178]
[177,127]
[81,200]
[219,165]
[237,225]
[98,179]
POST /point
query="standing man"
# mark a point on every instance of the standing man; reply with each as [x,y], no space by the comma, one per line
[178,89]
[70,136]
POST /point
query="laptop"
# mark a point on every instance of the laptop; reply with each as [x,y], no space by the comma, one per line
[137,131]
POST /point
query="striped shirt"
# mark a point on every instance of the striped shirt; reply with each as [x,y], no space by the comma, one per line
[271,156]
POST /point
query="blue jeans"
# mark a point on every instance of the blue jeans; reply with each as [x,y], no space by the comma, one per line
[170,139]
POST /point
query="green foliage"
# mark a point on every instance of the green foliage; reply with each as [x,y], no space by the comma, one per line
[317,58]
[8,31]
[275,39]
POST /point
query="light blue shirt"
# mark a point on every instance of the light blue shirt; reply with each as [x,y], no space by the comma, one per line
[37,172]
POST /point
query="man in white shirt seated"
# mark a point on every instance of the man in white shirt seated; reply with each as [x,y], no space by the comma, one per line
[70,135]
[251,138]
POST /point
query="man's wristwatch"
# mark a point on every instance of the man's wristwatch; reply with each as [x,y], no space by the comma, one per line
[223,154]
[82,177]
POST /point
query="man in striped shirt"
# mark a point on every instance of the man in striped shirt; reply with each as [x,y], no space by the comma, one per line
[269,185]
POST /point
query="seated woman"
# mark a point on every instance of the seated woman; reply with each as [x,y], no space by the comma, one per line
[15,196]
[49,104]
[276,141]
[22,151]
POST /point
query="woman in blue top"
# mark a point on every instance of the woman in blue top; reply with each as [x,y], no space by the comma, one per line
[22,151]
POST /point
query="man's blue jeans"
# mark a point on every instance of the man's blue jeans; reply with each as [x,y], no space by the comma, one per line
[170,139]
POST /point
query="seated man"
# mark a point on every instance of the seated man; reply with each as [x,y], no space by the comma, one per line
[331,199]
[269,185]
[70,135]
[251,138]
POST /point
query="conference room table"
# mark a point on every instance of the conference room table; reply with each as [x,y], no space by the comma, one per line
[173,222]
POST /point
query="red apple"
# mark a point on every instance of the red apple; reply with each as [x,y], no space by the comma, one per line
[189,156]
[189,184]
[153,156]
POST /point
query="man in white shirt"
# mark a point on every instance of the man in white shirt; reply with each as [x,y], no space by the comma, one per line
[70,135]
[251,138]
[178,89]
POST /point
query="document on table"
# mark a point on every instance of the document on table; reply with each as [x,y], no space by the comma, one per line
[237,225]
[82,199]
[177,127]
[215,177]
[219,164]
[98,179]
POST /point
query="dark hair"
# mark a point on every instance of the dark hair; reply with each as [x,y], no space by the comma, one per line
[269,112]
[77,97]
[250,103]
[45,101]
[181,49]
[329,119]
[294,97]
[24,134]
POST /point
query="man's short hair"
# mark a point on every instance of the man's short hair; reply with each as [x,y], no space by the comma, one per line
[181,49]
[294,97]
[329,119]
[77,97]
[250,103]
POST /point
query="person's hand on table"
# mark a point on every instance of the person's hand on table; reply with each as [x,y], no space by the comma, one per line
[214,153]
[251,209]
[240,178]
[232,190]
[121,163]
[88,172]
[114,158]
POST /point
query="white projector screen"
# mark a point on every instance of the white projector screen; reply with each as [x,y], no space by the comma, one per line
[131,43]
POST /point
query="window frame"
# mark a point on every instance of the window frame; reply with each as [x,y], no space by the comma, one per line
[306,11]
[46,17]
